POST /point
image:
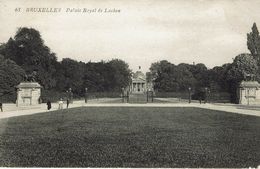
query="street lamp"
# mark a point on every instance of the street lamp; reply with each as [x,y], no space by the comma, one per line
[147,95]
[70,95]
[189,94]
[206,94]
[209,95]
[123,94]
[86,95]
[152,95]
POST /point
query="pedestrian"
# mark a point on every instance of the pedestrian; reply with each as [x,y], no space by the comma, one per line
[68,102]
[1,107]
[48,104]
[60,104]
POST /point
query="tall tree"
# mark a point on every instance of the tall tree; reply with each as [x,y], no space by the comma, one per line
[218,78]
[243,65]
[70,75]
[253,43]
[10,76]
[27,49]
[120,74]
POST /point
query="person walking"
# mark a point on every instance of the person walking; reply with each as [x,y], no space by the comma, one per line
[60,104]
[1,107]
[48,104]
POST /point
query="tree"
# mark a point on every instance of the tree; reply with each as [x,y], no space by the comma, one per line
[253,43]
[199,77]
[27,49]
[70,75]
[107,76]
[185,77]
[161,73]
[171,78]
[120,74]
[10,76]
[218,78]
[243,65]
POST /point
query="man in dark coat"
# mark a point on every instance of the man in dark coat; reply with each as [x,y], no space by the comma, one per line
[1,107]
[48,104]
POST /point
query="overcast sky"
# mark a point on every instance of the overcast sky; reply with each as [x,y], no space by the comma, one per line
[143,32]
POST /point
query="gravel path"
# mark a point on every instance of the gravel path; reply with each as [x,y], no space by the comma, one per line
[10,110]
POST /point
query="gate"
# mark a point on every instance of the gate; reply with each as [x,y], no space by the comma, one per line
[149,96]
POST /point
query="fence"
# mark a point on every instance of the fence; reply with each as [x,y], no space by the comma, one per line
[182,95]
[54,96]
[218,97]
[94,95]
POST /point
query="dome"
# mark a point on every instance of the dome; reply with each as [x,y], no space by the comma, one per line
[139,75]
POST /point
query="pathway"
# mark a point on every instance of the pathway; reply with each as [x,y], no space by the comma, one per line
[10,110]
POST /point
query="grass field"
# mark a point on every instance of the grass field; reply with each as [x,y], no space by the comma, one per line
[130,137]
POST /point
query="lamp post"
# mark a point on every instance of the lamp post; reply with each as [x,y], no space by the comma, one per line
[70,97]
[127,96]
[209,95]
[152,95]
[86,95]
[248,97]
[123,95]
[189,94]
[147,96]
[206,94]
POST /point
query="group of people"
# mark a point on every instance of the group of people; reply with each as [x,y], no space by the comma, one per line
[60,102]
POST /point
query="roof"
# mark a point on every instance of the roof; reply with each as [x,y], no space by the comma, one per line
[249,84]
[29,85]
[139,76]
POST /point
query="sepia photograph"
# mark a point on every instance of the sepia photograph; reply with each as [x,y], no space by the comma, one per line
[130,84]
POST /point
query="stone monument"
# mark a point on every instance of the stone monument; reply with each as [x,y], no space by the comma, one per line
[28,93]
[249,93]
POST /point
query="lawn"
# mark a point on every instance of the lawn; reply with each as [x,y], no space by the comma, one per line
[130,137]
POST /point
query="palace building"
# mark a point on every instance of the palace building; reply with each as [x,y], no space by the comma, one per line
[139,83]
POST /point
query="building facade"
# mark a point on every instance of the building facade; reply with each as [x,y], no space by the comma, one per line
[28,93]
[249,93]
[139,83]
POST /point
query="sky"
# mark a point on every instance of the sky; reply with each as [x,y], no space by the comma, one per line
[139,32]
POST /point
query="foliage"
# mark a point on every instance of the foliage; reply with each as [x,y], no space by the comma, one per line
[243,65]
[218,78]
[107,76]
[26,52]
[168,77]
[120,74]
[27,49]
[70,75]
[253,43]
[10,76]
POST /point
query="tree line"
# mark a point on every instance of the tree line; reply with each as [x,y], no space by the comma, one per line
[27,53]
[168,77]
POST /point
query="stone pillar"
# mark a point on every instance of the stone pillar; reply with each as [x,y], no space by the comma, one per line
[248,93]
[28,93]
